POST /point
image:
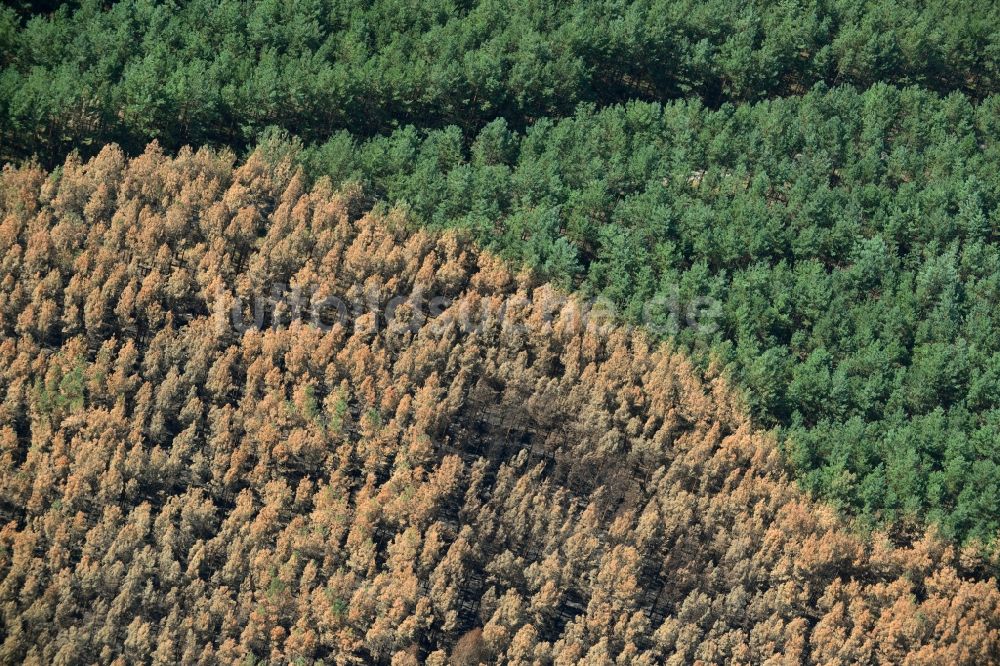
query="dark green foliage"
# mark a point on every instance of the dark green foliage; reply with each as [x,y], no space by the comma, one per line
[848,240]
[220,72]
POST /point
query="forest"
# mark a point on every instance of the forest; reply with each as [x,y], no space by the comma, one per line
[499,332]
[506,480]
[210,71]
